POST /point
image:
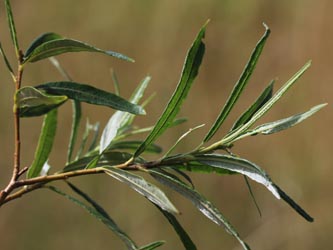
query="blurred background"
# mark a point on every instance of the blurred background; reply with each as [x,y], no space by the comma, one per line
[157,34]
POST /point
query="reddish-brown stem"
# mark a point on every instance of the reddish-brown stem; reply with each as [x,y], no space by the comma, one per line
[38,182]
[17,137]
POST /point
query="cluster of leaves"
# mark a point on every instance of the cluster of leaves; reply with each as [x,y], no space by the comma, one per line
[112,154]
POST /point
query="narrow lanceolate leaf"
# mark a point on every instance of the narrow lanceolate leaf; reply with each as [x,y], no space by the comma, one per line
[86,93]
[75,127]
[294,205]
[9,67]
[110,131]
[12,28]
[106,218]
[239,86]
[229,138]
[262,99]
[184,237]
[241,166]
[99,213]
[152,246]
[201,203]
[135,99]
[190,71]
[33,102]
[107,158]
[121,119]
[42,39]
[197,167]
[277,126]
[51,44]
[139,184]
[45,144]
[133,145]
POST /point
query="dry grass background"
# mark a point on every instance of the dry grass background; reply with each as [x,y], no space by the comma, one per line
[157,34]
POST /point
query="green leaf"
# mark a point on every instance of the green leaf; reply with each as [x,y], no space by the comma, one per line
[184,175]
[294,205]
[111,130]
[237,133]
[12,28]
[9,67]
[239,86]
[123,135]
[184,237]
[108,158]
[33,102]
[99,213]
[262,99]
[135,98]
[277,126]
[119,120]
[51,44]
[152,245]
[133,145]
[45,144]
[241,166]
[190,71]
[197,167]
[171,175]
[201,203]
[43,38]
[86,93]
[77,112]
[139,184]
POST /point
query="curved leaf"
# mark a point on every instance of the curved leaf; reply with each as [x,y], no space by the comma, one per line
[277,126]
[139,184]
[133,145]
[197,167]
[45,144]
[241,166]
[33,102]
[184,237]
[189,73]
[86,93]
[99,213]
[43,38]
[7,63]
[239,86]
[110,131]
[201,203]
[51,44]
[107,158]
[121,119]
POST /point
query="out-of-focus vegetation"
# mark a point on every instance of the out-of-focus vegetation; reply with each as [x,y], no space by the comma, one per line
[157,34]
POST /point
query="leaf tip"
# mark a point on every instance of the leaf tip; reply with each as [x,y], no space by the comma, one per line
[266,27]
